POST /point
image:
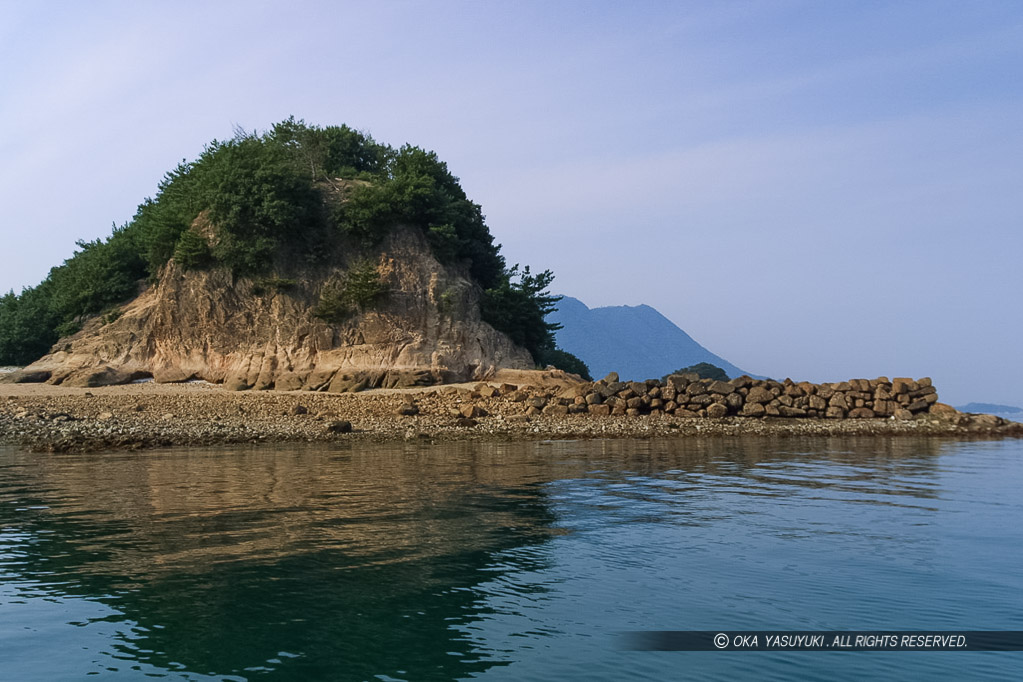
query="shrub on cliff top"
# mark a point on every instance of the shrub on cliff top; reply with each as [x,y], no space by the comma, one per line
[416,188]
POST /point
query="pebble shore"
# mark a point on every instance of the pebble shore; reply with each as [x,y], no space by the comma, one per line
[58,419]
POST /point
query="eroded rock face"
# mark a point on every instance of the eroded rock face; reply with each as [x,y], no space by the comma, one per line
[247,334]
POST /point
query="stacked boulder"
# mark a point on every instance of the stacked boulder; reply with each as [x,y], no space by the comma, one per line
[689,396]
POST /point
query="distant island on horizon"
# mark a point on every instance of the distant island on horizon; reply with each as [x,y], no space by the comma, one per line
[990,408]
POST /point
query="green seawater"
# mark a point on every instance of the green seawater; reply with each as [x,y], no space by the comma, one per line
[504,561]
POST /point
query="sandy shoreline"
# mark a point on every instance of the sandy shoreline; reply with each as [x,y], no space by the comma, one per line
[58,419]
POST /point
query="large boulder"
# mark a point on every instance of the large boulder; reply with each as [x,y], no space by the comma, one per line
[941,410]
[94,377]
[22,376]
[717,410]
[753,410]
[759,394]
[171,375]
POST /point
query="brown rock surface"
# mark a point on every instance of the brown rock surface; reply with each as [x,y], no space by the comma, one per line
[717,410]
[752,410]
[213,326]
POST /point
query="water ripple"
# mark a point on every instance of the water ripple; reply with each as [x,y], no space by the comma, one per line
[514,561]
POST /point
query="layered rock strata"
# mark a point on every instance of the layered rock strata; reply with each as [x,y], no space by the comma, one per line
[251,333]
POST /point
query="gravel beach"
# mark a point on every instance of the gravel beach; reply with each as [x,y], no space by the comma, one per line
[49,418]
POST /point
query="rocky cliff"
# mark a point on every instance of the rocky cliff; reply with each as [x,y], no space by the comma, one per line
[261,333]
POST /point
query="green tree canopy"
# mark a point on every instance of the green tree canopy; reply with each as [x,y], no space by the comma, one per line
[705,370]
[519,305]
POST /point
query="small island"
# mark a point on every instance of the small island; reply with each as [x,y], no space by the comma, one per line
[299,267]
[990,408]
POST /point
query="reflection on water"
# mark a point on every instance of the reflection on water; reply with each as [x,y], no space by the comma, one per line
[515,561]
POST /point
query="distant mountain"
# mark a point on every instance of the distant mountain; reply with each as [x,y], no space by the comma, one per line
[635,341]
[990,408]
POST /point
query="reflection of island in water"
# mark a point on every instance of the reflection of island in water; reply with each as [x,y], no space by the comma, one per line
[361,562]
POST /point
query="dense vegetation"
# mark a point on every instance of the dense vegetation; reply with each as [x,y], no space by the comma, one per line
[705,370]
[356,290]
[291,195]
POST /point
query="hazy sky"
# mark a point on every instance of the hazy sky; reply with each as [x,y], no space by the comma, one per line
[820,190]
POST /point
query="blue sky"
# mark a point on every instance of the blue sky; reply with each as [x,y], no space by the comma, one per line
[820,190]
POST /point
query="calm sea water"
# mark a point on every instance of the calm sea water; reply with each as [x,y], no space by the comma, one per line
[504,562]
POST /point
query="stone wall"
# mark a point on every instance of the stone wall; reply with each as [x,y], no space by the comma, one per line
[688,396]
